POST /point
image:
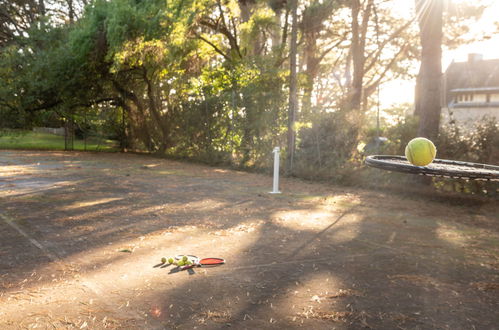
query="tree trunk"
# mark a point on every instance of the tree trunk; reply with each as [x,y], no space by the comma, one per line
[154,110]
[276,35]
[357,60]
[428,87]
[245,6]
[276,31]
[311,71]
[41,7]
[137,116]
[293,99]
[71,12]
[358,53]
[284,38]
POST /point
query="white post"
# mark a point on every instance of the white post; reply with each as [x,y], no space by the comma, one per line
[275,188]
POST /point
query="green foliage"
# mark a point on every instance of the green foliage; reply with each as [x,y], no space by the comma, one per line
[399,134]
[479,143]
[235,115]
[22,139]
[208,80]
[328,148]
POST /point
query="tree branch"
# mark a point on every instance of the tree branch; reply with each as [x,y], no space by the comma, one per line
[218,50]
[380,48]
[373,85]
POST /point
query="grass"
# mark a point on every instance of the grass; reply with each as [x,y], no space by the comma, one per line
[22,139]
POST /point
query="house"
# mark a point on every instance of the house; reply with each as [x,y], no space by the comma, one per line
[471,90]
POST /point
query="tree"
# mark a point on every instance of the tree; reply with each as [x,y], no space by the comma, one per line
[16,17]
[293,86]
[438,28]
[428,85]
[318,42]
[216,80]
[359,33]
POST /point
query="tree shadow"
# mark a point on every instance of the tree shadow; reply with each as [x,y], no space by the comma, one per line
[380,262]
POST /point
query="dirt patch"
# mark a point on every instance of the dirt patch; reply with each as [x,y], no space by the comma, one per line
[82,236]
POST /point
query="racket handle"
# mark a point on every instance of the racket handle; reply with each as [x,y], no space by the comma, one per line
[188,266]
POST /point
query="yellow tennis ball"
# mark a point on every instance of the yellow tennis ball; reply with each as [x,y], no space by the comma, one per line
[163,260]
[420,151]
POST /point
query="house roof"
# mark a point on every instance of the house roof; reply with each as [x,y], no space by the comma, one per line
[475,89]
[473,75]
[474,105]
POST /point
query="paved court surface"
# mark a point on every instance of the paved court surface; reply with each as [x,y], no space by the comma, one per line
[81,236]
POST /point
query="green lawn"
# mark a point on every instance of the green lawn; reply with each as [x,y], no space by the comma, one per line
[31,140]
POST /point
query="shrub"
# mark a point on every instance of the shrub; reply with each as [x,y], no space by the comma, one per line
[327,148]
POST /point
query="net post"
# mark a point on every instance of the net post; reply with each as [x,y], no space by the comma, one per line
[275,187]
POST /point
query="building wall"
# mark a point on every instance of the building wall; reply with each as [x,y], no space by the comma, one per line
[467,117]
[477,97]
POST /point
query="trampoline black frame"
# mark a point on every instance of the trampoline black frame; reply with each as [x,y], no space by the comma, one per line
[450,169]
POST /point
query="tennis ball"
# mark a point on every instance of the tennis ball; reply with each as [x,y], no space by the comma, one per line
[184,258]
[420,151]
[180,263]
[170,260]
[163,260]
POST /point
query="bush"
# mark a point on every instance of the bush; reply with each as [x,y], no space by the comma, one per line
[330,149]
[327,148]
[477,144]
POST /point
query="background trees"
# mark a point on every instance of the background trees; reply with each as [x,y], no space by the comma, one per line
[213,79]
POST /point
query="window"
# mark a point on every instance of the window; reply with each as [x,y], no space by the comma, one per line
[471,97]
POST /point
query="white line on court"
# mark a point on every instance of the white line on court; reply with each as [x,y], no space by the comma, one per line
[33,241]
[93,287]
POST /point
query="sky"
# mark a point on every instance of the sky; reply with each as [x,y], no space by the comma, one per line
[402,91]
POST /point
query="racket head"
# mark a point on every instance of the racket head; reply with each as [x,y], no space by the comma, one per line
[211,262]
[191,258]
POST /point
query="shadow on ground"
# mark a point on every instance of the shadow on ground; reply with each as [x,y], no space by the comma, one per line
[315,257]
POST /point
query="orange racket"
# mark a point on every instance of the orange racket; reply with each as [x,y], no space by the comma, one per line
[205,262]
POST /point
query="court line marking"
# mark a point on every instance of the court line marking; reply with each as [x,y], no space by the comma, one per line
[94,287]
[33,241]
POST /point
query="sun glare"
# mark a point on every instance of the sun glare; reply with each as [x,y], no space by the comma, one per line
[402,91]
